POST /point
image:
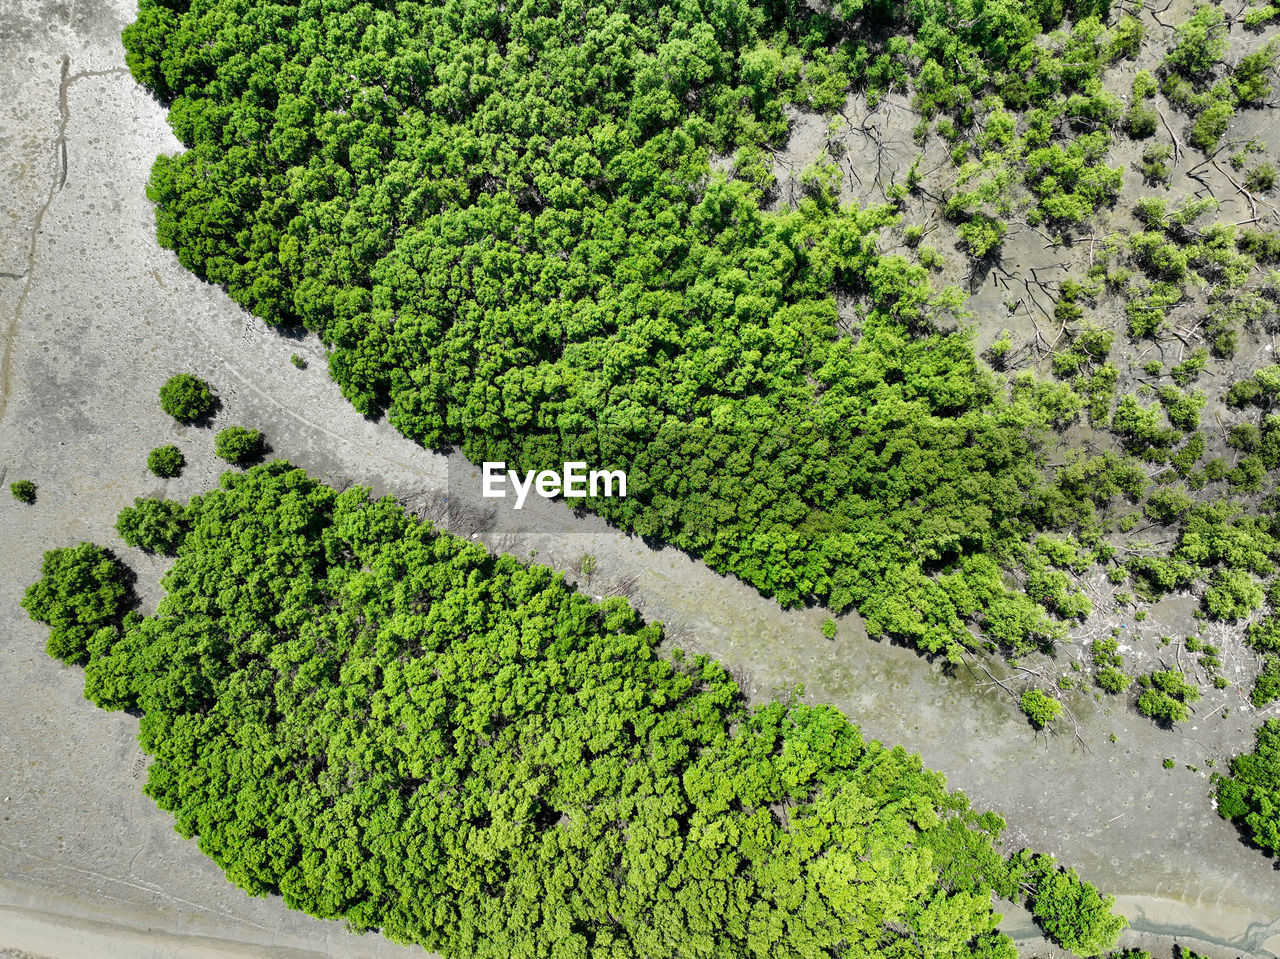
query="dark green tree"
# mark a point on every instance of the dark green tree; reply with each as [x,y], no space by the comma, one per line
[83,594]
[24,491]
[186,398]
[1250,795]
[152,525]
[166,461]
[239,445]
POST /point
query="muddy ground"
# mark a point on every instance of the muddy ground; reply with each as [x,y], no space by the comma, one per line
[94,317]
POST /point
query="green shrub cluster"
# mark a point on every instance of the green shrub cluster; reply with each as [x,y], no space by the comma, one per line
[1107,658]
[83,595]
[1166,696]
[187,398]
[388,725]
[166,461]
[1197,81]
[1250,795]
[1261,390]
[510,236]
[1222,543]
[1266,689]
[152,525]
[1041,708]
[239,445]
[24,491]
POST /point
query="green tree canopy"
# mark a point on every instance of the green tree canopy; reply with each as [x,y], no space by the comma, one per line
[505,225]
[82,590]
[186,398]
[388,725]
[166,461]
[1251,794]
[153,525]
[239,445]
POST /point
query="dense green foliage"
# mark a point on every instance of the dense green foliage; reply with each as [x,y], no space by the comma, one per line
[1251,794]
[506,227]
[389,725]
[1222,543]
[24,491]
[166,461]
[83,595]
[1166,696]
[1106,656]
[186,398]
[1072,913]
[239,445]
[540,234]
[1041,708]
[153,525]
[1266,689]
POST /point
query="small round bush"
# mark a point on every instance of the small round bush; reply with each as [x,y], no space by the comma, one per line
[153,525]
[24,491]
[186,398]
[829,628]
[238,445]
[81,590]
[1040,708]
[166,461]
[1141,121]
[1261,178]
[1112,680]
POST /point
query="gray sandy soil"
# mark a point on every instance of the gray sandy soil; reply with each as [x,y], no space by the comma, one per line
[94,317]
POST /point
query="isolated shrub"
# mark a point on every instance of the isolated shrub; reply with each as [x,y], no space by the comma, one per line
[82,590]
[981,235]
[1126,38]
[1251,78]
[1266,689]
[1040,708]
[1202,42]
[24,491]
[1186,372]
[1166,696]
[1261,178]
[186,398]
[1232,593]
[152,525]
[1211,124]
[239,445]
[1255,18]
[166,461]
[1155,163]
[1112,680]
